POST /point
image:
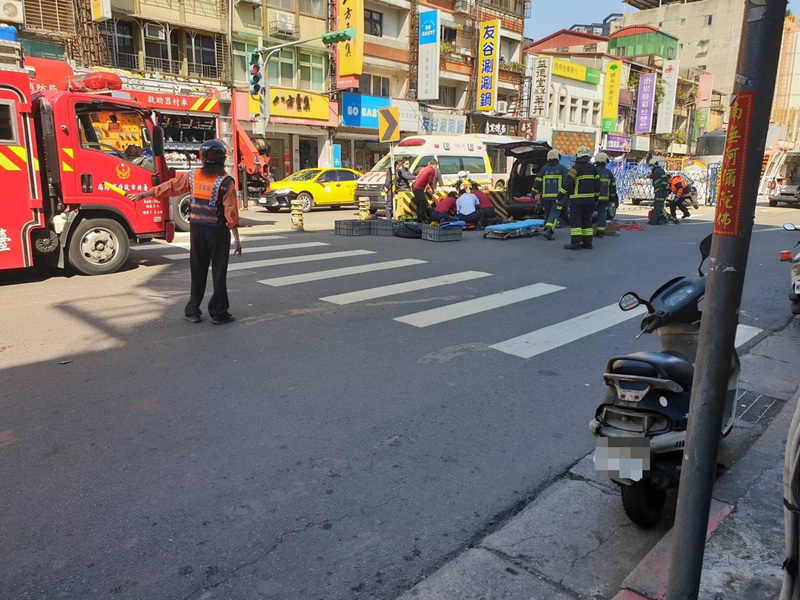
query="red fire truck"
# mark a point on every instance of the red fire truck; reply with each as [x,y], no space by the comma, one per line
[67,159]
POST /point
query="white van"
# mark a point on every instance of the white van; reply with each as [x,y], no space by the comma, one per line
[454,153]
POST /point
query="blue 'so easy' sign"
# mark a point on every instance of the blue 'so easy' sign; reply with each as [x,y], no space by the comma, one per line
[362,111]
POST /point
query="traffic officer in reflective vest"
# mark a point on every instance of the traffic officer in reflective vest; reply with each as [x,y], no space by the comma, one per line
[660,190]
[582,185]
[549,182]
[608,191]
[213,218]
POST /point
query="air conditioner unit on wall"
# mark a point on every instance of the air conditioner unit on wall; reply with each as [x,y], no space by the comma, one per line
[12,11]
[464,7]
[284,23]
[501,107]
[153,31]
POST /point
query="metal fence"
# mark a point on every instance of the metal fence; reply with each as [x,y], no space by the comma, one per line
[634,186]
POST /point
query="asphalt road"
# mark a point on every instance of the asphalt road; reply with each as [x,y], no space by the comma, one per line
[310,450]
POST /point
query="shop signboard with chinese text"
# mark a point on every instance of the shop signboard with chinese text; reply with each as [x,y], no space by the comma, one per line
[734,164]
[362,111]
[488,65]
[294,104]
[666,108]
[428,68]
[493,125]
[611,95]
[618,143]
[569,70]
[409,114]
[176,102]
[541,86]
[433,123]
[350,54]
[646,103]
[527,129]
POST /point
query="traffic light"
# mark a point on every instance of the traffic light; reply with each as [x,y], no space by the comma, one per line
[254,75]
[340,35]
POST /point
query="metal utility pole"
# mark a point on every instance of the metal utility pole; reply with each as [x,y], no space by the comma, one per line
[736,204]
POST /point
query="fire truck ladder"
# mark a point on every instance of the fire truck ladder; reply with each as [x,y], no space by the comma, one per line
[413,38]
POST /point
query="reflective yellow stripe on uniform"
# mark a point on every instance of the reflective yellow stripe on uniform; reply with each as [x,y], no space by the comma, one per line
[588,194]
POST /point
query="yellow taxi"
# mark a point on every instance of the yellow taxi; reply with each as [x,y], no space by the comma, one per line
[313,187]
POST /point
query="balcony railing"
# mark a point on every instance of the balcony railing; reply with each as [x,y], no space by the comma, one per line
[150,64]
[162,65]
[521,8]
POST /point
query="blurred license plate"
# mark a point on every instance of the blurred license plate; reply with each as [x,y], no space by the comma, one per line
[797,287]
[363,198]
[623,458]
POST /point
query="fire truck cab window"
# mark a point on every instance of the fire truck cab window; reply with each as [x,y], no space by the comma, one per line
[8,129]
[121,134]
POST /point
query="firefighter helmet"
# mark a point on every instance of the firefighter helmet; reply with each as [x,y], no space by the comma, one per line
[602,157]
[583,152]
[653,162]
[213,152]
[554,155]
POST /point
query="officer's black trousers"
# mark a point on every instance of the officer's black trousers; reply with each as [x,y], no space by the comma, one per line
[209,245]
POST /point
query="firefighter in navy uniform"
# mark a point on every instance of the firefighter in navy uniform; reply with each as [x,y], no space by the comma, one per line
[213,217]
[549,183]
[582,186]
[661,190]
[607,194]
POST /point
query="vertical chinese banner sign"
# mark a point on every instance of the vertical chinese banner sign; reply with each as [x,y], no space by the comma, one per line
[646,99]
[428,69]
[350,54]
[541,86]
[705,88]
[666,109]
[611,95]
[734,163]
[488,67]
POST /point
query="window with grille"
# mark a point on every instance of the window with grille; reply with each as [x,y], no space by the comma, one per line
[119,41]
[448,96]
[373,23]
[54,16]
[202,53]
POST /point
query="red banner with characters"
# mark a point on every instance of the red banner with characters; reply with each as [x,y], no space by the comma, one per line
[734,164]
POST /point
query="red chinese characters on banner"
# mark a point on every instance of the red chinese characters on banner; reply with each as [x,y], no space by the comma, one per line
[734,163]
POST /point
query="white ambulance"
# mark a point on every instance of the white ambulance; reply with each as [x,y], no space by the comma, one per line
[454,153]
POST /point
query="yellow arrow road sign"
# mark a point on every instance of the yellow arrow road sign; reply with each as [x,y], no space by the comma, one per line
[389,125]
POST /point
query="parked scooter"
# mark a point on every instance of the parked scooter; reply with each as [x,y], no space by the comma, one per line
[641,425]
[794,290]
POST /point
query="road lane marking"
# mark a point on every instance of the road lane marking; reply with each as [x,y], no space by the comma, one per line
[402,288]
[477,305]
[557,335]
[289,260]
[163,245]
[332,273]
[250,250]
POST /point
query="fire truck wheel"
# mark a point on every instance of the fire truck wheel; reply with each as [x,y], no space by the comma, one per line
[307,200]
[181,206]
[98,246]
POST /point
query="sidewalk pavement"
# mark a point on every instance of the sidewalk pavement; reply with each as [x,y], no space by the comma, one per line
[574,542]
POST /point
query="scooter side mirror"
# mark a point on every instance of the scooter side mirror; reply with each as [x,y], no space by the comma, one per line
[705,246]
[789,227]
[629,301]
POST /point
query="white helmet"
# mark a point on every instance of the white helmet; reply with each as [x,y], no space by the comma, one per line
[463,174]
[602,157]
[554,155]
[583,152]
[653,162]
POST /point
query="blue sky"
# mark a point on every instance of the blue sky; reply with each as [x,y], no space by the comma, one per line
[548,17]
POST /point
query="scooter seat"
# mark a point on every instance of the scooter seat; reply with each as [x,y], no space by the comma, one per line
[659,365]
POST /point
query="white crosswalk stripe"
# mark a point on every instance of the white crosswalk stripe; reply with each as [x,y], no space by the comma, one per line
[451,312]
[402,288]
[163,245]
[344,271]
[257,249]
[551,337]
[288,260]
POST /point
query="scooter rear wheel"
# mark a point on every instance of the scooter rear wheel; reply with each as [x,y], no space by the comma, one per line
[643,503]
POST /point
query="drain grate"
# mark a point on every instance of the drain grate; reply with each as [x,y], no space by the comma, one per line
[757,409]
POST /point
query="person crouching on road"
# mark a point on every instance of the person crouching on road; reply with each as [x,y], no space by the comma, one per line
[213,217]
[549,183]
[444,209]
[467,208]
[485,204]
[425,179]
[660,190]
[582,185]
[607,194]
[682,195]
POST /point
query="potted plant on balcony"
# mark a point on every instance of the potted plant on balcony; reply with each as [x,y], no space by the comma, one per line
[514,66]
[446,48]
